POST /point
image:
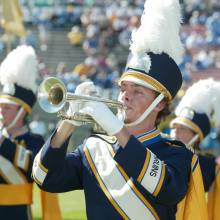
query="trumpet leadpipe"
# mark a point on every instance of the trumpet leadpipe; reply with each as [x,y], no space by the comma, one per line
[85,98]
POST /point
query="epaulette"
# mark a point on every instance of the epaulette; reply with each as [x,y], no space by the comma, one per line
[204,153]
[170,141]
[174,143]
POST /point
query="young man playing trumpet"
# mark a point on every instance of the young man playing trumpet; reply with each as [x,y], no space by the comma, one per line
[130,172]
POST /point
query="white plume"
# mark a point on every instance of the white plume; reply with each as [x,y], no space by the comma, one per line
[203,97]
[140,62]
[20,67]
[159,30]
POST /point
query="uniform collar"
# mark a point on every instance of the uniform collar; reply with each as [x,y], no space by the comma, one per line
[149,137]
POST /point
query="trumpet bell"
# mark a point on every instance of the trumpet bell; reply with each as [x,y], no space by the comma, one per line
[52,95]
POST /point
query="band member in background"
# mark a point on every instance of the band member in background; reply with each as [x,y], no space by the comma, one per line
[130,171]
[18,146]
[195,114]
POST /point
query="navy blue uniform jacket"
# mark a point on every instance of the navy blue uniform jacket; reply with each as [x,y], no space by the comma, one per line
[145,180]
[17,156]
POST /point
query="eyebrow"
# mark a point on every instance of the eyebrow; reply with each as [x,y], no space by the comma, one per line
[133,85]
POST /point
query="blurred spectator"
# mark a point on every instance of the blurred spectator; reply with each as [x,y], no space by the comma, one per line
[213,24]
[75,36]
[43,37]
[87,68]
[204,60]
[61,68]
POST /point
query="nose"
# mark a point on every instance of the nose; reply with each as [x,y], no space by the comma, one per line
[125,96]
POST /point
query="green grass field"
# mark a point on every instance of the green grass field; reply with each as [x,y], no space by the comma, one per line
[72,205]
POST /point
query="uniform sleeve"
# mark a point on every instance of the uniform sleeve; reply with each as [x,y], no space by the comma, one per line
[166,180]
[55,171]
[208,165]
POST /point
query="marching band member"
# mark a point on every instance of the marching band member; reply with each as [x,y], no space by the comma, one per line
[18,146]
[130,172]
[194,114]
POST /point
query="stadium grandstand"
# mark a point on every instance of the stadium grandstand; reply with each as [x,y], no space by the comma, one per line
[77,40]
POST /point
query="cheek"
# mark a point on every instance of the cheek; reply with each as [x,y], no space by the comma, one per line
[10,114]
[142,103]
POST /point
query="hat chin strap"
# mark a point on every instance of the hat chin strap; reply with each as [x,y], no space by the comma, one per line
[147,111]
[18,115]
[193,140]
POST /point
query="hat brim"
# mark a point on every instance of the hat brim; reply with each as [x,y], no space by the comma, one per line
[189,124]
[15,101]
[146,81]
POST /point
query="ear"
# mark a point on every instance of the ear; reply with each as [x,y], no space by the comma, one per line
[160,106]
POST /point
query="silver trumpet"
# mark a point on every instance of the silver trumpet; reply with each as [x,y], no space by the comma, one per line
[53,95]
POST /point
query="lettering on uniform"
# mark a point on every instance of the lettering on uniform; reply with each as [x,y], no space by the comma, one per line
[155,167]
[152,175]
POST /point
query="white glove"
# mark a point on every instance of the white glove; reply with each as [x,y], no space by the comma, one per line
[85,88]
[103,116]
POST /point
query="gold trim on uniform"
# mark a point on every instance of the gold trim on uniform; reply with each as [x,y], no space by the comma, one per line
[144,205]
[160,183]
[149,136]
[143,138]
[147,79]
[39,171]
[152,175]
[146,164]
[35,180]
[194,162]
[133,187]
[15,194]
[43,167]
[105,190]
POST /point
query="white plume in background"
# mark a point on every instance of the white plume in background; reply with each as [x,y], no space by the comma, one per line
[216,104]
[159,30]
[20,67]
[203,97]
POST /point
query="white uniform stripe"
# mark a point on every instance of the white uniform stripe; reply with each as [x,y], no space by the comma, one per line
[22,158]
[153,174]
[38,173]
[115,183]
[10,172]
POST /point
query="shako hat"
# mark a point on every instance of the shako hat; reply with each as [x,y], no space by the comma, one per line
[156,49]
[18,74]
[199,107]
